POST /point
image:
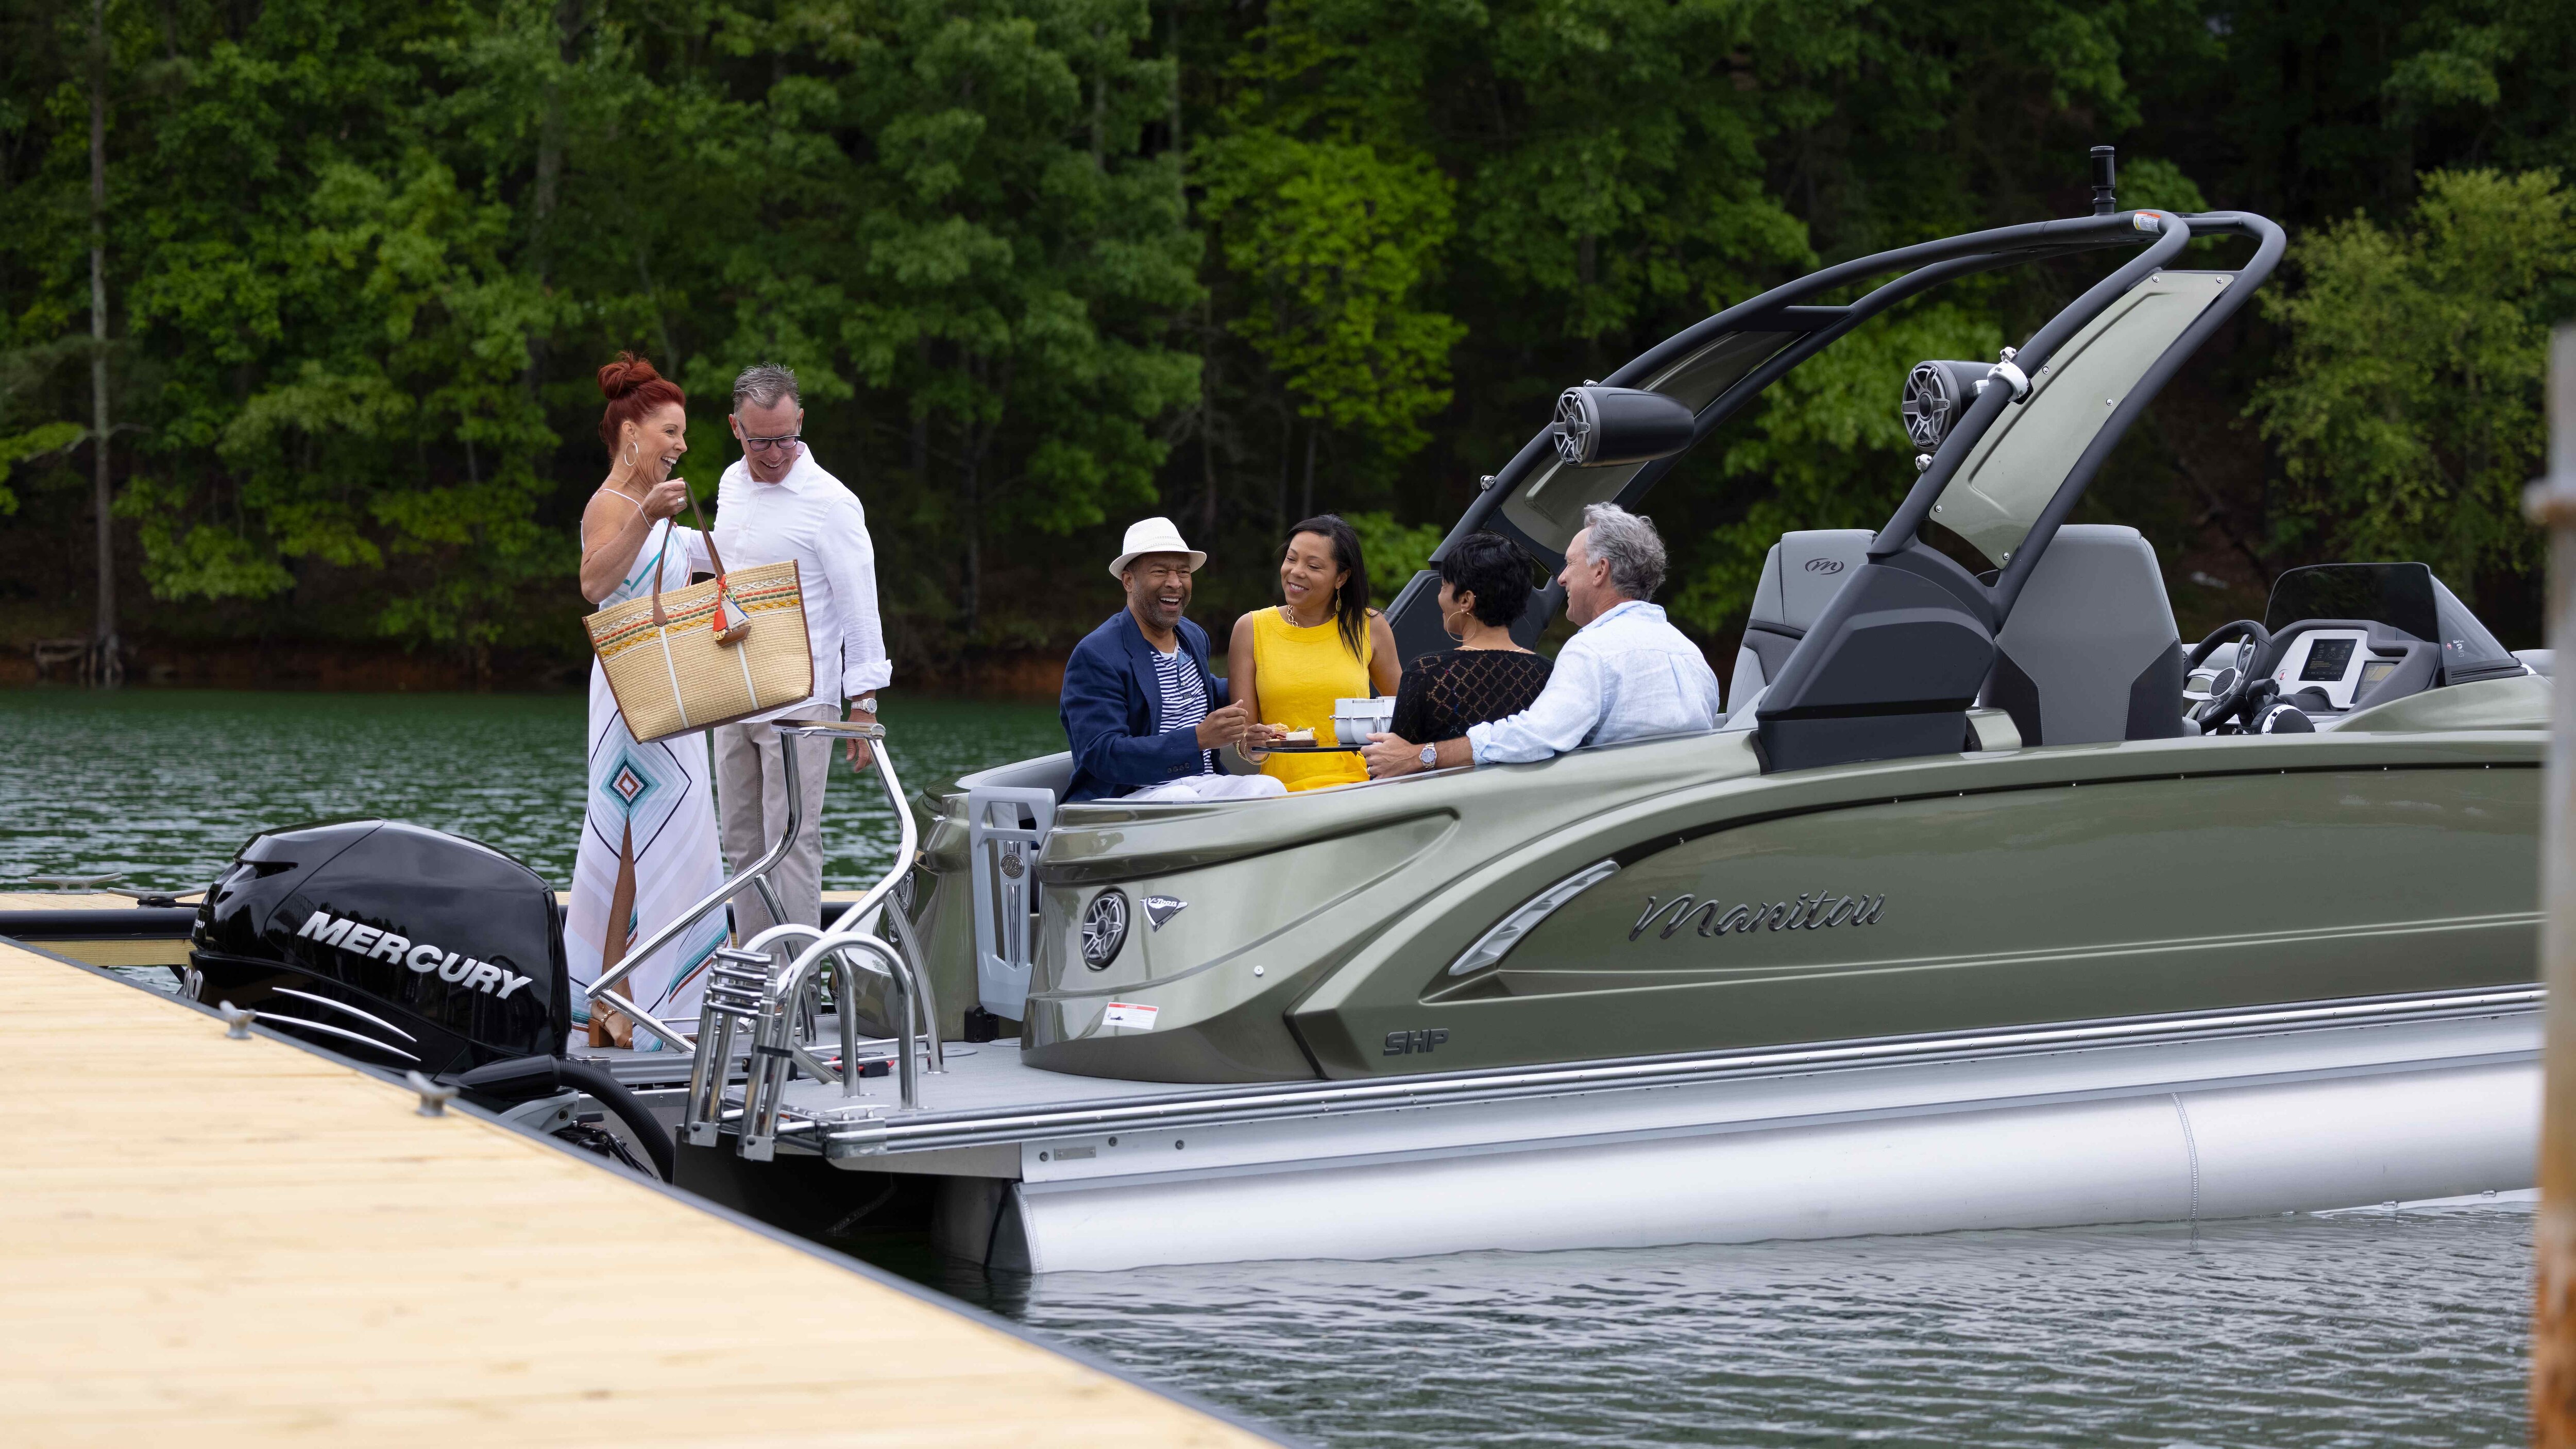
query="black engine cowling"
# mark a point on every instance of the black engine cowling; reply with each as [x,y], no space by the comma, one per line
[393,944]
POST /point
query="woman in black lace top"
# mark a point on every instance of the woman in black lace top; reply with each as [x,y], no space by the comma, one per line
[1484,586]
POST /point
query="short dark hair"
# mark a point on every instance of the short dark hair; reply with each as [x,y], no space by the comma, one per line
[1494,569]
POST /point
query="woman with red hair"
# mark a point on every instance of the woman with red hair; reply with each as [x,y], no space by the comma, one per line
[648,840]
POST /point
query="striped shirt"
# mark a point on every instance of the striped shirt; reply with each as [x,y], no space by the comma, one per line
[1185,700]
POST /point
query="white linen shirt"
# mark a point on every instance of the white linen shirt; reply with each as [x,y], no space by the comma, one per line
[1625,675]
[810,517]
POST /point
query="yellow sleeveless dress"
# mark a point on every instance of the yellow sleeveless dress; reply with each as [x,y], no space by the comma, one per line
[1299,673]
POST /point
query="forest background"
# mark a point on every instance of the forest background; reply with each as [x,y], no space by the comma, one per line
[1045,266]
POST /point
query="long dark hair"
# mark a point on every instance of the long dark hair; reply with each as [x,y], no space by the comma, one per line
[1352,607]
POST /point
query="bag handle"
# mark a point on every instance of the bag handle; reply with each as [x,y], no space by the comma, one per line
[660,619]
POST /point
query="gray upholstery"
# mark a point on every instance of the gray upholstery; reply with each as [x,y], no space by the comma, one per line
[2090,654]
[1803,572]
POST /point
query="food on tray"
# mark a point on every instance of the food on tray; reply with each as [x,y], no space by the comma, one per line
[1298,737]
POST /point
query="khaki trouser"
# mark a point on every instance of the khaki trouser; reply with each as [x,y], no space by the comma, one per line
[751,796]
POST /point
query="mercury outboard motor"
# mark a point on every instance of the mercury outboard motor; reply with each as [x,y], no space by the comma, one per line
[393,944]
[405,948]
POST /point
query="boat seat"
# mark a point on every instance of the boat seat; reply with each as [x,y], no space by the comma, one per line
[1052,773]
[2090,654]
[1800,575]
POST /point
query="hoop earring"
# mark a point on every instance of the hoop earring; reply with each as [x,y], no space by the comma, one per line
[633,454]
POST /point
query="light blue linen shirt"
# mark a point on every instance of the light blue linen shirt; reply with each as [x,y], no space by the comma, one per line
[1623,676]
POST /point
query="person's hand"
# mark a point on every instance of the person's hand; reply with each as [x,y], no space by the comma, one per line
[1258,740]
[1230,725]
[666,499]
[1391,755]
[860,753]
[611,1028]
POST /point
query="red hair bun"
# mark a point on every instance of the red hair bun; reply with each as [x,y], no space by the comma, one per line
[634,390]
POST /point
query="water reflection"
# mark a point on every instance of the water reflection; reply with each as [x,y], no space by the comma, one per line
[2356,1329]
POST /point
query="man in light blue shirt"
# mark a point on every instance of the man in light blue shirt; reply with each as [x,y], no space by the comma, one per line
[1626,673]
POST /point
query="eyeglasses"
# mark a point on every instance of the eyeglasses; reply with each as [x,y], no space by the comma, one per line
[765,445]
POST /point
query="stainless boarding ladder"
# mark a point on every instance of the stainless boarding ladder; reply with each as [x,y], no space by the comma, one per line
[743,990]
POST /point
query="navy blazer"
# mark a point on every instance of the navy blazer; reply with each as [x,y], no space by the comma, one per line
[1113,711]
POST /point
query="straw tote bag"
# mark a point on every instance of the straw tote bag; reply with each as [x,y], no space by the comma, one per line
[708,654]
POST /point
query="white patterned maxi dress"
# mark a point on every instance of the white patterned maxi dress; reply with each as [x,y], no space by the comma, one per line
[655,803]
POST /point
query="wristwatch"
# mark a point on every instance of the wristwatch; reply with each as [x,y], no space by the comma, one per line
[867,705]
[1430,756]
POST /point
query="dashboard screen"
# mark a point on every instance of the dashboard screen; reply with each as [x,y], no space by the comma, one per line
[2376,670]
[2327,660]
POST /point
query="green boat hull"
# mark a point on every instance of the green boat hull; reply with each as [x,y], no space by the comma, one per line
[1317,936]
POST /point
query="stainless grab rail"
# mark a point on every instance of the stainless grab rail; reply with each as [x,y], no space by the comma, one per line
[910,832]
[743,989]
[764,1085]
[845,927]
[757,877]
[822,1071]
[772,1050]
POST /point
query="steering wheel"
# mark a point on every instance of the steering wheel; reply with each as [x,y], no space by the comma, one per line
[2232,689]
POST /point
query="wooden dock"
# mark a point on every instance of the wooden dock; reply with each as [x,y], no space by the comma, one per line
[210,1241]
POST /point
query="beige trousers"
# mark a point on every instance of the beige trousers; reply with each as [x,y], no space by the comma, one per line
[751,800]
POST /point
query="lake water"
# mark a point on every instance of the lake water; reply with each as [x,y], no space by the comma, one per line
[166,784]
[2365,1328]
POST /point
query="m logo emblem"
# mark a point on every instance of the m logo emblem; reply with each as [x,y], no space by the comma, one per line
[1824,565]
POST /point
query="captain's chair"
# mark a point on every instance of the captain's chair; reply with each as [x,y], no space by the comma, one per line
[2090,654]
[1803,572]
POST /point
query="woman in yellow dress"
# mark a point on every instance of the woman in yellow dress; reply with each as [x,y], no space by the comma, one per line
[1291,661]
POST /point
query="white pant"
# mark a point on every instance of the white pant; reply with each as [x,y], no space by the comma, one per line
[1211,787]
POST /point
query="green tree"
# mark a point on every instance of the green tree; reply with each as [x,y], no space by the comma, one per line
[2408,414]
[1019,261]
[1335,243]
[1826,449]
[1393,552]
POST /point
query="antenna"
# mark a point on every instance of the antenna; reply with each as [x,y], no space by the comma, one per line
[2106,168]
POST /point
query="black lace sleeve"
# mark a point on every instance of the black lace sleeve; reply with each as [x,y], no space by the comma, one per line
[1409,717]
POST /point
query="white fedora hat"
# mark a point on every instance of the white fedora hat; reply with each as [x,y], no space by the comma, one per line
[1154,535]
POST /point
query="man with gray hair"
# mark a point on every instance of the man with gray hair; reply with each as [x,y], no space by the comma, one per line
[1625,674]
[777,504]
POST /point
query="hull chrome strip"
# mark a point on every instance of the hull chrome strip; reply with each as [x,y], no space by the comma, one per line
[932,1130]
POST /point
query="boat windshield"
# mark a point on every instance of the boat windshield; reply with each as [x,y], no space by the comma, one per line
[2018,466]
[2405,597]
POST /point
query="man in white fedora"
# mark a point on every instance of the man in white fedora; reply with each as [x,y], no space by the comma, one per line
[1144,715]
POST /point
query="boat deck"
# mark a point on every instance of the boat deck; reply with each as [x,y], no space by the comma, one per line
[248,1241]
